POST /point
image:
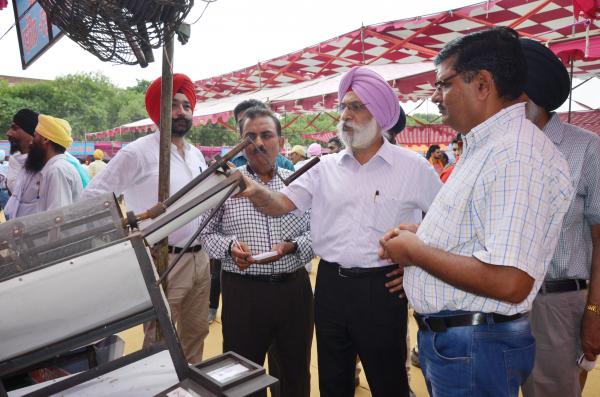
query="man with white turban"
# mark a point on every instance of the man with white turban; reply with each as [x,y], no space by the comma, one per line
[134,172]
[355,196]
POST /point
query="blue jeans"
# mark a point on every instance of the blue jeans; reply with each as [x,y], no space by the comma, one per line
[482,360]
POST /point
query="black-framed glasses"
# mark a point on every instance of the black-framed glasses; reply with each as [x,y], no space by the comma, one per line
[351,106]
[444,83]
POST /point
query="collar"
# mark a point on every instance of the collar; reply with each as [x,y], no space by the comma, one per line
[555,129]
[186,144]
[385,152]
[480,133]
[53,160]
[253,174]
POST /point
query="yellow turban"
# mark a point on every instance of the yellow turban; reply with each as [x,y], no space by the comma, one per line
[55,129]
[98,154]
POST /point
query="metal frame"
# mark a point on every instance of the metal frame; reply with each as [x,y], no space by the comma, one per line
[159,312]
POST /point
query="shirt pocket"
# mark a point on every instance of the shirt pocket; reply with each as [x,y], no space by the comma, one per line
[389,212]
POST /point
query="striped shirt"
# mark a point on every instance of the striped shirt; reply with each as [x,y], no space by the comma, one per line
[581,148]
[503,204]
[238,218]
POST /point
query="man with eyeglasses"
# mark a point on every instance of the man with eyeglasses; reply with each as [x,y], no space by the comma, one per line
[267,303]
[478,259]
[355,196]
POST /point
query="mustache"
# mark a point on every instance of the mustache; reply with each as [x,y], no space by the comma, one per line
[347,125]
[259,149]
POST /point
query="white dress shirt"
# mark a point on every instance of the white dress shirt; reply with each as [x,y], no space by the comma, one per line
[15,163]
[60,184]
[504,205]
[25,194]
[353,205]
[134,172]
[56,185]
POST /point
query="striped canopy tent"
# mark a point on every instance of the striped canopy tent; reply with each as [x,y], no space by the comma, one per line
[568,27]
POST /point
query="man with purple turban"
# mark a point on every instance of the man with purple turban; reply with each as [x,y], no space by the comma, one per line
[134,172]
[355,196]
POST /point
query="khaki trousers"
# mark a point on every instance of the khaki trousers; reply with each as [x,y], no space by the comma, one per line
[555,323]
[188,292]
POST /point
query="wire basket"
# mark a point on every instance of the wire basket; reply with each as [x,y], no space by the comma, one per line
[119,31]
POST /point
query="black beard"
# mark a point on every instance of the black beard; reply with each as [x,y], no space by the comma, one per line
[35,159]
[14,145]
[179,131]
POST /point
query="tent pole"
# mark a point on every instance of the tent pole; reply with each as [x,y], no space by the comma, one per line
[164,159]
[570,89]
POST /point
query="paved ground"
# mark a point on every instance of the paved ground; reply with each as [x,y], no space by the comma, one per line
[213,347]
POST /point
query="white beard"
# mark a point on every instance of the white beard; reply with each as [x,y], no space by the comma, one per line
[362,135]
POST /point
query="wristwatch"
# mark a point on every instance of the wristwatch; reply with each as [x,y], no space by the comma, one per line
[293,241]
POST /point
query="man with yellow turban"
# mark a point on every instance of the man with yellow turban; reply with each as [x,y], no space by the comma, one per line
[97,165]
[134,172]
[47,180]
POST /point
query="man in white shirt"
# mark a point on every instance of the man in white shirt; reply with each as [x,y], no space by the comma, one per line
[97,165]
[47,180]
[134,172]
[20,136]
[354,196]
[479,257]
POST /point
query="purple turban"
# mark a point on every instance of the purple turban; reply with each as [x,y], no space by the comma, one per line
[374,92]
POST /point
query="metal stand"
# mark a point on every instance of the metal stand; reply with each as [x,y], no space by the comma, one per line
[159,312]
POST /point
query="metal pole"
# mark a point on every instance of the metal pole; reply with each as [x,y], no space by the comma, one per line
[164,159]
[570,90]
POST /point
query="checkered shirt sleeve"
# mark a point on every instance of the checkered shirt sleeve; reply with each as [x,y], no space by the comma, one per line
[237,218]
[500,207]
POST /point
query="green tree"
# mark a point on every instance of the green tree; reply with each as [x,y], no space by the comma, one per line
[89,101]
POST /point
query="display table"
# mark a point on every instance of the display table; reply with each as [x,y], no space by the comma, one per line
[143,378]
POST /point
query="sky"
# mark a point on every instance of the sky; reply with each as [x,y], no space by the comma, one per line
[233,34]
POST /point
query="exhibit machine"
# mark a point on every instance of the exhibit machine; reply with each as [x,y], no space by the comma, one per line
[77,274]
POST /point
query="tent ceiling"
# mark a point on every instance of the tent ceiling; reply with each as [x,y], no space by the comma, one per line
[410,40]
[400,50]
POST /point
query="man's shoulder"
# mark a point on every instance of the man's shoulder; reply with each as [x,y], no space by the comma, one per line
[403,158]
[147,142]
[576,134]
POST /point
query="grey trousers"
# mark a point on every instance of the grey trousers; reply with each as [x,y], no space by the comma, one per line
[555,323]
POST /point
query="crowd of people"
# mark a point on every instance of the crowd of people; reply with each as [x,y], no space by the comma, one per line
[495,245]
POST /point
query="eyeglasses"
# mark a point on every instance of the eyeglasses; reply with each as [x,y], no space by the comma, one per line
[354,107]
[443,84]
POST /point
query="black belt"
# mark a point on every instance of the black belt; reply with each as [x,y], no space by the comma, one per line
[356,272]
[552,286]
[176,250]
[442,323]
[269,278]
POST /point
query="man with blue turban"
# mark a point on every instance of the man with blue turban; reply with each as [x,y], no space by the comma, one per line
[355,196]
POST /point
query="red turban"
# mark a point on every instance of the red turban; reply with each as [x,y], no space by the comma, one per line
[181,83]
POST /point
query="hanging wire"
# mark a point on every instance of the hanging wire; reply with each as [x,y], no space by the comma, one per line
[9,29]
[208,2]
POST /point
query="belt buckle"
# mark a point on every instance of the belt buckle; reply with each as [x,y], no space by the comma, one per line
[340,273]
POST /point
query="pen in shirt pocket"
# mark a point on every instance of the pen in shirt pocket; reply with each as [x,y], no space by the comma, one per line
[375,196]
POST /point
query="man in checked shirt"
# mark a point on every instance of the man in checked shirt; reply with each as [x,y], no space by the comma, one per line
[478,259]
[265,302]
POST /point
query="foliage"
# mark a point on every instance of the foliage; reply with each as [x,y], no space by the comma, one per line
[89,101]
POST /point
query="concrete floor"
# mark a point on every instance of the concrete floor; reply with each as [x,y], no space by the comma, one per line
[213,347]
